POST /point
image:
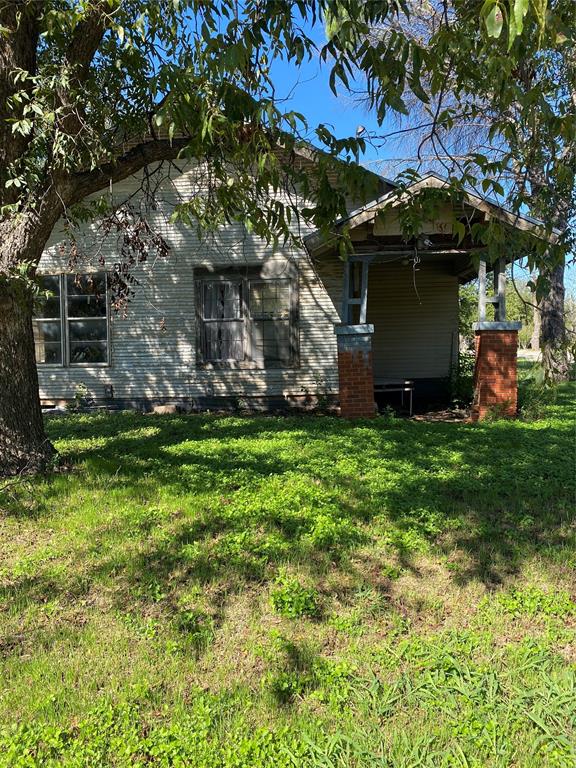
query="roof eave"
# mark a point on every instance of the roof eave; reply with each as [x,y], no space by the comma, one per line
[355,218]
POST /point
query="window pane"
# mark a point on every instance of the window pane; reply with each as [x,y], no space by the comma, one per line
[88,352]
[271,341]
[270,298]
[47,330]
[223,341]
[86,295]
[87,306]
[87,330]
[49,306]
[222,301]
[93,284]
[88,336]
[48,341]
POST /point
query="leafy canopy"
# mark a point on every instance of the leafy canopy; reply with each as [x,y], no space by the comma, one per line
[107,86]
[507,71]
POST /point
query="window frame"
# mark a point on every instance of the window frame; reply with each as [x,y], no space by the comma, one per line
[60,319]
[263,317]
[203,320]
[65,319]
[245,277]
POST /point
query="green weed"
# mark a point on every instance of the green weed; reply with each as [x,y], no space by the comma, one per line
[293,600]
[531,601]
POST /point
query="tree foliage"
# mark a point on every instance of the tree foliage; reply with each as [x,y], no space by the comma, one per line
[497,79]
[93,90]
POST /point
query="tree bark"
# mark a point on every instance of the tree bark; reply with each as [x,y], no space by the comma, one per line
[24,447]
[17,52]
[553,329]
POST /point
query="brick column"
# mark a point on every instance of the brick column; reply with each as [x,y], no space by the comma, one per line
[495,372]
[355,373]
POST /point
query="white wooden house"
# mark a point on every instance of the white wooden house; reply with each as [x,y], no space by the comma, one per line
[231,318]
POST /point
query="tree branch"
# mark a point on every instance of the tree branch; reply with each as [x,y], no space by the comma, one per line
[84,43]
[89,182]
[87,37]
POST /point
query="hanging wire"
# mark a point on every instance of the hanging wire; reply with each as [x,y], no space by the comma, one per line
[415,262]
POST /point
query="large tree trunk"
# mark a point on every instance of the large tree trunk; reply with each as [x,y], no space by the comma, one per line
[24,446]
[553,329]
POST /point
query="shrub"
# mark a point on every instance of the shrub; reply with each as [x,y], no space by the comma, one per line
[462,380]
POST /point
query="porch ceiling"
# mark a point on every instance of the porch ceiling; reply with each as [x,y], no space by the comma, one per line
[437,248]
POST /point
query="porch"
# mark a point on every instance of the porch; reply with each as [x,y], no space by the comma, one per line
[398,302]
[400,334]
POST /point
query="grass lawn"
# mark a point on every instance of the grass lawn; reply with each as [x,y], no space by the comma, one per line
[234,591]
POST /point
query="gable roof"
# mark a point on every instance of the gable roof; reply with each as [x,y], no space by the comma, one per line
[488,206]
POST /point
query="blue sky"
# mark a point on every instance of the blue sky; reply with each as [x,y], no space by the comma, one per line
[307,90]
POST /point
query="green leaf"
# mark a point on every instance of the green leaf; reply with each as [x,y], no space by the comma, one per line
[516,25]
[512,32]
[494,22]
[459,230]
[520,11]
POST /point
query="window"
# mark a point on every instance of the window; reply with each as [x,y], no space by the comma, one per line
[48,323]
[247,321]
[270,310]
[71,323]
[86,317]
[222,320]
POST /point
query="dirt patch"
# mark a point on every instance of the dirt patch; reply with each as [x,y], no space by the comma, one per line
[448,414]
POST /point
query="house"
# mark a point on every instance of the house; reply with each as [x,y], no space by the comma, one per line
[231,320]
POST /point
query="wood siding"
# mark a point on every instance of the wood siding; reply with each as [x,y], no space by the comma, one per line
[153,350]
[415,316]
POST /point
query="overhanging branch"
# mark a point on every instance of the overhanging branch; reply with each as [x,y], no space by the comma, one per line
[89,182]
[85,41]
[86,38]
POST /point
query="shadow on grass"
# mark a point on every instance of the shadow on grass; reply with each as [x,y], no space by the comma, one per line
[221,502]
